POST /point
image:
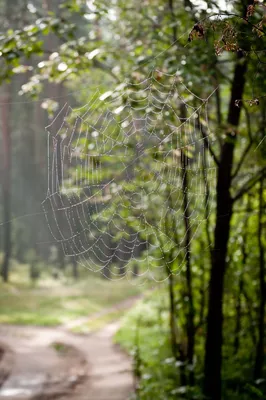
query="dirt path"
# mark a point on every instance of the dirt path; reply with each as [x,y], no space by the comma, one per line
[123,305]
[51,363]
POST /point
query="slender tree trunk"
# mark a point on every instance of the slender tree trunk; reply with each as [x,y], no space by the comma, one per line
[260,345]
[202,292]
[188,236]
[6,185]
[190,313]
[75,271]
[213,346]
[176,348]
[238,314]
[61,257]
[174,28]
[250,307]
[240,291]
[135,271]
[172,315]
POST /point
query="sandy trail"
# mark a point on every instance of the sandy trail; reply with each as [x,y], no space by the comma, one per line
[92,368]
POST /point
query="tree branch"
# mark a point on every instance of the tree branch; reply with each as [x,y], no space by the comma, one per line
[248,147]
[242,159]
[207,144]
[106,68]
[249,185]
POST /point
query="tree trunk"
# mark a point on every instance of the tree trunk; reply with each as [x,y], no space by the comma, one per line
[61,257]
[250,307]
[240,290]
[177,350]
[202,291]
[190,312]
[172,315]
[75,271]
[213,345]
[135,271]
[260,345]
[6,184]
[238,314]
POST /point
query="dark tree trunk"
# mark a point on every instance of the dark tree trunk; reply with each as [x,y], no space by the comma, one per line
[250,307]
[260,345]
[172,315]
[240,291]
[190,312]
[238,314]
[75,271]
[122,269]
[6,184]
[202,292]
[61,257]
[135,271]
[177,350]
[213,346]
[57,91]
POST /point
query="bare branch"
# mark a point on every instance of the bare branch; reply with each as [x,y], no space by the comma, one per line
[207,144]
[248,147]
[242,159]
[246,211]
[249,185]
[106,68]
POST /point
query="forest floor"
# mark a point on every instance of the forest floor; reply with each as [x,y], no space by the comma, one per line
[51,302]
[54,363]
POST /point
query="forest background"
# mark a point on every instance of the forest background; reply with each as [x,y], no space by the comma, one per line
[167,100]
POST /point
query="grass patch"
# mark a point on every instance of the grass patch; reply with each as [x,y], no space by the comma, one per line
[145,335]
[99,322]
[53,302]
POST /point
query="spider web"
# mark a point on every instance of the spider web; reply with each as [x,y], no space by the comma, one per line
[127,177]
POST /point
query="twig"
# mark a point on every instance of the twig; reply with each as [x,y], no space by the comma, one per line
[248,147]
[249,185]
[207,144]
